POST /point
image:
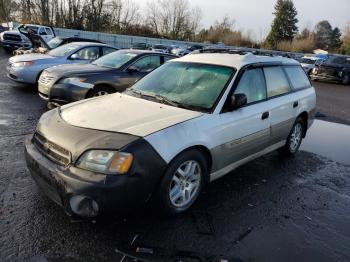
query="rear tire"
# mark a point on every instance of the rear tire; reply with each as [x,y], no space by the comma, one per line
[182,182]
[294,139]
[100,91]
[345,79]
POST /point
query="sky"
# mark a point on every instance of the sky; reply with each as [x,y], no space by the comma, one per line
[255,16]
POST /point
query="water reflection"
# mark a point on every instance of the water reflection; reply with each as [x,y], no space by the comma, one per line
[330,140]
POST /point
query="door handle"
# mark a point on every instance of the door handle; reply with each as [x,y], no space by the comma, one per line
[295,104]
[265,115]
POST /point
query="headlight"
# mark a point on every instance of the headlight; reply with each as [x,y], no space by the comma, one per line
[22,64]
[341,74]
[2,36]
[314,70]
[72,80]
[105,161]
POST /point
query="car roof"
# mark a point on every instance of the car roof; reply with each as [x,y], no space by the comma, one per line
[233,60]
[139,52]
[90,43]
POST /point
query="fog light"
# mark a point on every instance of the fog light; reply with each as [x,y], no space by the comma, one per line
[84,206]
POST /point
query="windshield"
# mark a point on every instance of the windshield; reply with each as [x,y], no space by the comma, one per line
[114,60]
[336,60]
[54,42]
[307,61]
[64,50]
[187,84]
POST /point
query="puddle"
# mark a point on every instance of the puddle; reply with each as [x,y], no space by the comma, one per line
[328,139]
[4,122]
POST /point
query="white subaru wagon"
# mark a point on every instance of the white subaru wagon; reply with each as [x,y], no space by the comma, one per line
[189,122]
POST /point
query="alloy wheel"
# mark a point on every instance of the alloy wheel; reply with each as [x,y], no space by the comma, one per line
[295,137]
[185,184]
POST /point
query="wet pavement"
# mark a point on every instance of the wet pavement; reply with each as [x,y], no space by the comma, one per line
[272,209]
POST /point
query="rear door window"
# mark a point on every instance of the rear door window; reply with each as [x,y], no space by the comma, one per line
[276,81]
[108,50]
[297,77]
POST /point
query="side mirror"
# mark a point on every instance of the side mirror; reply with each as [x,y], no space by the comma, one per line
[237,101]
[74,57]
[132,69]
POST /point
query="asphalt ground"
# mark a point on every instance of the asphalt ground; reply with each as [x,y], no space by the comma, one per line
[271,209]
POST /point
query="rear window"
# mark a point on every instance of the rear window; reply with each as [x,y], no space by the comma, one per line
[297,77]
[276,81]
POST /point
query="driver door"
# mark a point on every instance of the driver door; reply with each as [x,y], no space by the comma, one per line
[245,131]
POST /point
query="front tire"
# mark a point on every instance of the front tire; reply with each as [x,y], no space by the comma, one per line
[182,182]
[294,139]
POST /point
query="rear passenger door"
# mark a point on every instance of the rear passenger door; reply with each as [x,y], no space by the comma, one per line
[280,102]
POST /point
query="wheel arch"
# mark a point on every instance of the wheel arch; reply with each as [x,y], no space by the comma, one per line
[304,116]
[107,85]
[205,152]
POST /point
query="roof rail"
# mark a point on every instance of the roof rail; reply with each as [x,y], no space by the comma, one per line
[234,51]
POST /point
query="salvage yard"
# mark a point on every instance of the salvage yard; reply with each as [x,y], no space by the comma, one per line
[276,209]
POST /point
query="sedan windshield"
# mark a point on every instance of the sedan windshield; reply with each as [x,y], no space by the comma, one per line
[187,85]
[54,42]
[64,50]
[115,60]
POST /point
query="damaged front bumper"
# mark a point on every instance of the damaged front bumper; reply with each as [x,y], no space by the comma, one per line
[87,194]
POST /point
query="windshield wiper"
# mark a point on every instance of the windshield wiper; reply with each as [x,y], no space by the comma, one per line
[165,100]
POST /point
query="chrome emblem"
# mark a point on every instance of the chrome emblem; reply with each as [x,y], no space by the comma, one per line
[46,146]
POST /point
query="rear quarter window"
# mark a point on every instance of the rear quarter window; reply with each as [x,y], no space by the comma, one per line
[276,81]
[297,77]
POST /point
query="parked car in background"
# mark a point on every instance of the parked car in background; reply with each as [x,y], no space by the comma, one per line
[185,51]
[14,39]
[308,63]
[160,48]
[334,68]
[111,73]
[179,50]
[141,46]
[189,122]
[27,68]
[40,46]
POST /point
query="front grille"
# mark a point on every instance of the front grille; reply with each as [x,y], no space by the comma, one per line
[51,150]
[46,79]
[12,37]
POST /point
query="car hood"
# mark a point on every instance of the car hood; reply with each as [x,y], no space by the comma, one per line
[73,69]
[30,57]
[124,114]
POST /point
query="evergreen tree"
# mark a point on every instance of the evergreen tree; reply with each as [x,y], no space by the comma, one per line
[323,35]
[284,26]
[335,39]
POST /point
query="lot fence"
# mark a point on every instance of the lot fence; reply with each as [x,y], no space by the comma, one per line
[121,41]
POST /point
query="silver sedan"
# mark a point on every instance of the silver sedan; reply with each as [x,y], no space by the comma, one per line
[27,68]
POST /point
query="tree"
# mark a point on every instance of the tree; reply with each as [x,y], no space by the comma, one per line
[323,35]
[174,19]
[335,39]
[284,26]
[345,46]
